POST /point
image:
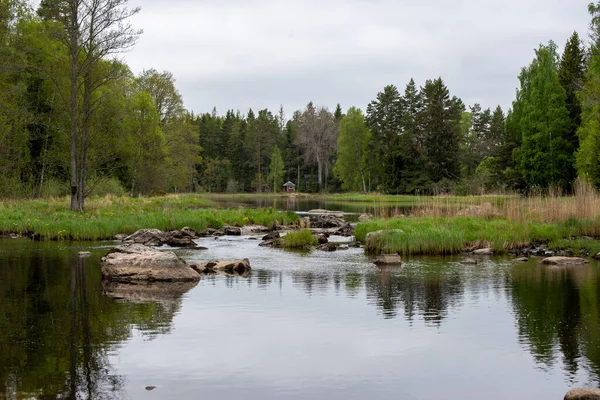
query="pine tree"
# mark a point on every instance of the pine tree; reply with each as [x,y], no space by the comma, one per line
[276,170]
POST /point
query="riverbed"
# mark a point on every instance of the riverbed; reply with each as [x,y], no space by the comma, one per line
[303,325]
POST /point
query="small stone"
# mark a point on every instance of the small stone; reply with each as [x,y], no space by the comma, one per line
[329,247]
[150,388]
[469,261]
[271,236]
[120,236]
[583,394]
[564,261]
[322,238]
[84,254]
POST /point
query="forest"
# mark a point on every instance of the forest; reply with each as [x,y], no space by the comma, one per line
[75,120]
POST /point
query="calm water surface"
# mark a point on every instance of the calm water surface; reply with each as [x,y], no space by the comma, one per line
[301,326]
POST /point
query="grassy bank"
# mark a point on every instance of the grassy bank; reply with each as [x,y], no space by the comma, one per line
[437,236]
[107,216]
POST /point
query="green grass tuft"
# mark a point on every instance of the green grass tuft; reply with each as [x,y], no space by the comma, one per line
[302,239]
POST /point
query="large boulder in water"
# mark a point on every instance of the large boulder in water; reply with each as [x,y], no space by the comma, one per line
[233,266]
[253,229]
[156,237]
[136,262]
[583,394]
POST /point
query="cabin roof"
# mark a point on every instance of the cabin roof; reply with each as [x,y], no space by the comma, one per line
[288,183]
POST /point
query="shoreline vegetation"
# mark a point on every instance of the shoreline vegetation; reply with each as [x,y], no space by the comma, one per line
[436,225]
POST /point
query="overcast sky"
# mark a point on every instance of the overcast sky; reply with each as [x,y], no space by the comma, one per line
[237,54]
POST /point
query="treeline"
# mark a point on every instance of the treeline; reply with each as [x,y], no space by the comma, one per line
[74,119]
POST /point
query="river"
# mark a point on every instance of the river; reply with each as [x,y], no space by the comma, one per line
[301,326]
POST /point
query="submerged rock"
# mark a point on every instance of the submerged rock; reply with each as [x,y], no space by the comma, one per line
[564,261]
[521,259]
[388,259]
[138,262]
[469,261]
[583,394]
[84,254]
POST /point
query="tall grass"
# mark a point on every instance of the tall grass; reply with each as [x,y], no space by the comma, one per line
[436,235]
[106,216]
[302,239]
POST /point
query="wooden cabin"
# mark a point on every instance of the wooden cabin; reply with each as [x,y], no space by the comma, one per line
[289,187]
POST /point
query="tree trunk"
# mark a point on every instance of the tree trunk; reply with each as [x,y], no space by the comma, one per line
[320,173]
[74,50]
[362,176]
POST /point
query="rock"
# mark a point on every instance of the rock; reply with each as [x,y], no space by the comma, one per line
[233,266]
[469,261]
[365,217]
[148,237]
[210,231]
[120,236]
[483,252]
[583,394]
[150,387]
[521,260]
[252,229]
[276,243]
[564,261]
[84,254]
[343,247]
[321,237]
[388,259]
[597,256]
[329,247]
[305,223]
[137,262]
[326,219]
[272,236]
[140,292]
[191,232]
[179,242]
[232,230]
[346,230]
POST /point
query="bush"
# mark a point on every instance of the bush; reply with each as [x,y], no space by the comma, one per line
[110,186]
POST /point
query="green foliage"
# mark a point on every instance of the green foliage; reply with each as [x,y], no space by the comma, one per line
[436,236]
[276,170]
[546,154]
[351,166]
[302,239]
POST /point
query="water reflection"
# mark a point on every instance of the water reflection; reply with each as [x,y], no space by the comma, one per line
[61,326]
[557,316]
[56,329]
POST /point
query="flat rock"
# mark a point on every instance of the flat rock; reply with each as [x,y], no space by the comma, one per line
[137,262]
[483,252]
[469,261]
[521,260]
[564,261]
[84,254]
[388,259]
[583,394]
[252,229]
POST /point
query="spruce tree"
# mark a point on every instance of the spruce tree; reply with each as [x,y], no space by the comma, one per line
[440,119]
[571,73]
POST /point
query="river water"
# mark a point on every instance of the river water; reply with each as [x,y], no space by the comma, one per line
[301,326]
